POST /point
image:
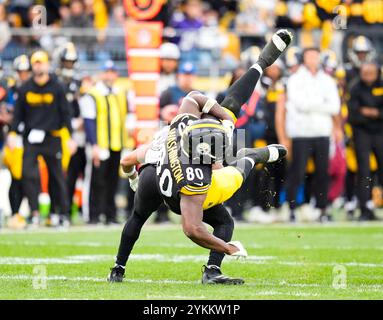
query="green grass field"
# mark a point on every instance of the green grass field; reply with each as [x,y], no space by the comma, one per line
[285,262]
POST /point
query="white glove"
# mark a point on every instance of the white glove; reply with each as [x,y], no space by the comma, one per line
[241,253]
[229,126]
[12,141]
[134,183]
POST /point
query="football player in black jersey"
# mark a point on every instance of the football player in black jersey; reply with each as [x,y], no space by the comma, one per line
[184,175]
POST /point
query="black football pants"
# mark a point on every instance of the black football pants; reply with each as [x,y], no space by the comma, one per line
[365,143]
[50,149]
[76,169]
[303,148]
[16,195]
[103,188]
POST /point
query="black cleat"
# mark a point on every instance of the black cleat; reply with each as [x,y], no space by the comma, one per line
[277,45]
[367,215]
[117,274]
[277,152]
[213,275]
[270,153]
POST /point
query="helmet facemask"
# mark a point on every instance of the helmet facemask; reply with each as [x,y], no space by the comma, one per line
[205,144]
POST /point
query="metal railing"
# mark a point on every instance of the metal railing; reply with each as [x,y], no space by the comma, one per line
[92,49]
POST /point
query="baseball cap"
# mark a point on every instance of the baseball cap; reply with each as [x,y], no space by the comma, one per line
[109,65]
[169,51]
[187,68]
[39,56]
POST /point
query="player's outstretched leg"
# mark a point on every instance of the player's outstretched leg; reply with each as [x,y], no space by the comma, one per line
[241,91]
[248,158]
[146,200]
[270,153]
[273,49]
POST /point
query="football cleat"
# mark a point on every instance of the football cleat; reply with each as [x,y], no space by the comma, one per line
[367,215]
[277,152]
[117,274]
[213,275]
[273,49]
[270,153]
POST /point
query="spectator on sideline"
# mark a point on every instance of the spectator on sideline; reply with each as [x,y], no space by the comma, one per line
[366,117]
[170,56]
[78,19]
[312,101]
[174,94]
[4,28]
[191,18]
[104,112]
[276,172]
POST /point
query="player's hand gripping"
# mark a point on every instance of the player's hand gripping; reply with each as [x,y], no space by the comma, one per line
[240,252]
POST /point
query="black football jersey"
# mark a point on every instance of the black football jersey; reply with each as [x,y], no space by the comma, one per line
[175,172]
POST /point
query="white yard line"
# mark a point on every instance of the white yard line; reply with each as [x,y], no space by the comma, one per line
[95,279]
[239,226]
[178,245]
[359,288]
[80,259]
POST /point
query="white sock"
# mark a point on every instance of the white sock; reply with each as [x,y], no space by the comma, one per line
[257,67]
[213,266]
[279,43]
[274,154]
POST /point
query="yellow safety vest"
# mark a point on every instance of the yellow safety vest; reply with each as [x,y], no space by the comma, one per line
[110,120]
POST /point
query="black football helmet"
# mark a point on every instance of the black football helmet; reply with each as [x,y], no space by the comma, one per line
[205,141]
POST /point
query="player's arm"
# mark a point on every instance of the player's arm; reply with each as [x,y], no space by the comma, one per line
[196,103]
[193,227]
[134,158]
[129,162]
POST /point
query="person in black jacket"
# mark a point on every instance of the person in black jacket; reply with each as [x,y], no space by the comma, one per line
[40,112]
[366,117]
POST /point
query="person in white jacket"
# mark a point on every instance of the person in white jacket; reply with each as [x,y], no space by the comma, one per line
[312,102]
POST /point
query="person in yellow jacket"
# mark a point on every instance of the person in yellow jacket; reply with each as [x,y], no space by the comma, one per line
[104,111]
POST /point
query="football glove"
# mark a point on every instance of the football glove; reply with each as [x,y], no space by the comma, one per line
[229,126]
[241,253]
[134,183]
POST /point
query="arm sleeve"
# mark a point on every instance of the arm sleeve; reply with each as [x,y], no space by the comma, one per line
[354,116]
[19,112]
[90,131]
[64,110]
